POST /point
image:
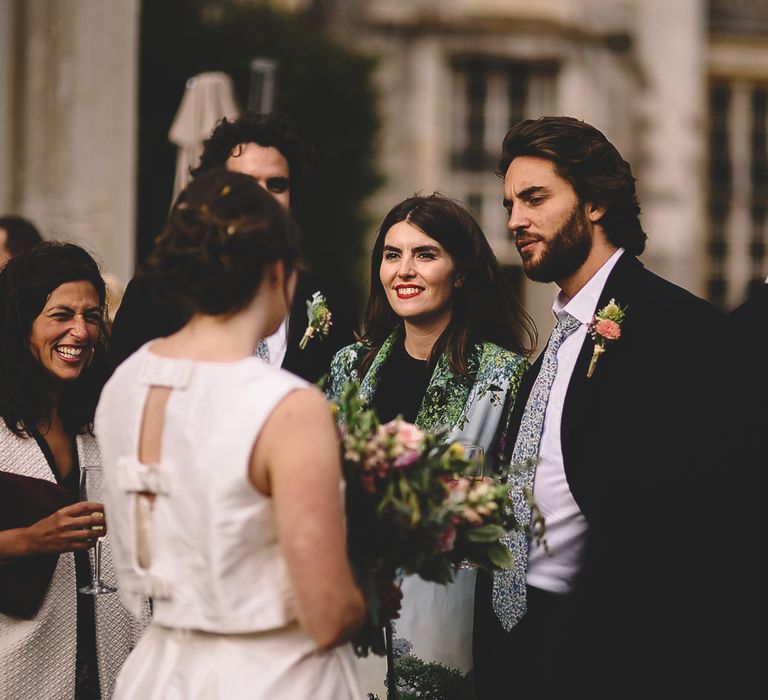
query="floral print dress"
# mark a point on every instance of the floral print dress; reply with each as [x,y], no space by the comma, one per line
[433,635]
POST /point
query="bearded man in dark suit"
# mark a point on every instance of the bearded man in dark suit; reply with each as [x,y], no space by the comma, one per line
[619,415]
[264,147]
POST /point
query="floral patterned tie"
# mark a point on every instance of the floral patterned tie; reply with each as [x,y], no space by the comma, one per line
[509,584]
[262,351]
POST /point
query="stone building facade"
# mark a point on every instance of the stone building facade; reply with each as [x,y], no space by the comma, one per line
[680,87]
[68,121]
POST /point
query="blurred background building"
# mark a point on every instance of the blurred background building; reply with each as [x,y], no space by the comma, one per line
[680,87]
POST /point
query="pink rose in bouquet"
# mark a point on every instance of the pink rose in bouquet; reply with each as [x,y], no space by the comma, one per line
[447,539]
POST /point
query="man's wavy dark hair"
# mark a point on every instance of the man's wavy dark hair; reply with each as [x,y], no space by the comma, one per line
[26,282]
[591,164]
[265,130]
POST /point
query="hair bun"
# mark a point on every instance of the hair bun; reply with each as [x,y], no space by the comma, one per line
[221,233]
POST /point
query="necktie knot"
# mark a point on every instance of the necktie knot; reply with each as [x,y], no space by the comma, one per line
[262,351]
[566,324]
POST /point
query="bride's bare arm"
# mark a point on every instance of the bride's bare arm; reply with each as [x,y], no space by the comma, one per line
[296,461]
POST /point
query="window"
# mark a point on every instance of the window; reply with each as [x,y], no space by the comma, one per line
[738,189]
[489,96]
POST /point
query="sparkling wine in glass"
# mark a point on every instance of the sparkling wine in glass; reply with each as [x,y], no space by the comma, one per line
[475,455]
[91,489]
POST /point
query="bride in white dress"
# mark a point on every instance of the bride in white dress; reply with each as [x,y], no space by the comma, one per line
[222,475]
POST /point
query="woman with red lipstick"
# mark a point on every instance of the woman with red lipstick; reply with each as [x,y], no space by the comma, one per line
[443,345]
[54,643]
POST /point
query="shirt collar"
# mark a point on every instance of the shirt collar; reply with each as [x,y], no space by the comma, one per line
[582,306]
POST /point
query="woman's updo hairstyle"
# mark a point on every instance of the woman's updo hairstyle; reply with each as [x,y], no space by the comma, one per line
[223,229]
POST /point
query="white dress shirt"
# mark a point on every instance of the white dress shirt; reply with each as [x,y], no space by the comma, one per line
[565,524]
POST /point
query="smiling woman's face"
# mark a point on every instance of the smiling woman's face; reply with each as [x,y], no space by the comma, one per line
[418,276]
[64,335]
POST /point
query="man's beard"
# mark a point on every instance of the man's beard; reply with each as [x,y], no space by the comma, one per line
[564,253]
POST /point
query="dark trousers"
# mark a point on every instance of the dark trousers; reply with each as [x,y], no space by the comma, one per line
[532,656]
[562,649]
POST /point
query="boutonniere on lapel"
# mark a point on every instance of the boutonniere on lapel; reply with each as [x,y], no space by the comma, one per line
[319,319]
[605,328]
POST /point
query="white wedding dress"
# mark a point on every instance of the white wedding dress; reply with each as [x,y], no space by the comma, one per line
[207,553]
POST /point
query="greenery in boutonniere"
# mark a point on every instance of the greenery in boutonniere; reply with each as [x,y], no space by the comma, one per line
[318,319]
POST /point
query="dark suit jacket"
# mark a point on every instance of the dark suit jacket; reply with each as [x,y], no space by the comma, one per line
[748,338]
[747,409]
[638,441]
[141,317]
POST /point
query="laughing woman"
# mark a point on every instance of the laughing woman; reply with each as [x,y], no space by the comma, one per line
[443,346]
[54,643]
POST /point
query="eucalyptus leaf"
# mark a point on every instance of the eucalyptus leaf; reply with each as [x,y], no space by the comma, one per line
[485,533]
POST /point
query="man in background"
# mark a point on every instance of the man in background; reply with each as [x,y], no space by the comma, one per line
[16,235]
[264,147]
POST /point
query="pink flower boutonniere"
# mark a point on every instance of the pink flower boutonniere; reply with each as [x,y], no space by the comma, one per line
[605,328]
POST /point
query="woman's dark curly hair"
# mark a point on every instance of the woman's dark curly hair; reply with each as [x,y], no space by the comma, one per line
[26,283]
[265,130]
[484,307]
[591,164]
[223,230]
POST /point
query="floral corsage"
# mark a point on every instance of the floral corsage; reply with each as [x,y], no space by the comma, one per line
[319,319]
[605,328]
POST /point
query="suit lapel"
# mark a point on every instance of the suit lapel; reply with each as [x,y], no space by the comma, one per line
[297,360]
[581,389]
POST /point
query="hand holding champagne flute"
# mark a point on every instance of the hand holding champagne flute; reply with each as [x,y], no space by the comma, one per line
[91,489]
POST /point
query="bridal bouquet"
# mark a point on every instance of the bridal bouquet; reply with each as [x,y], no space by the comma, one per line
[412,508]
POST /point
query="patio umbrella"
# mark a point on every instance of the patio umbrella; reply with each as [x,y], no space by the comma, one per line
[208,98]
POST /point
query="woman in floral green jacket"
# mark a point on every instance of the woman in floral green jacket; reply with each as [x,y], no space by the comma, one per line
[444,346]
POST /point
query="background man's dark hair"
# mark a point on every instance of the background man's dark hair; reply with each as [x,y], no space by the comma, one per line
[584,157]
[22,234]
[265,130]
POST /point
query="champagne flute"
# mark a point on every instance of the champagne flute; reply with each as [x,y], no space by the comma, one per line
[475,455]
[91,489]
